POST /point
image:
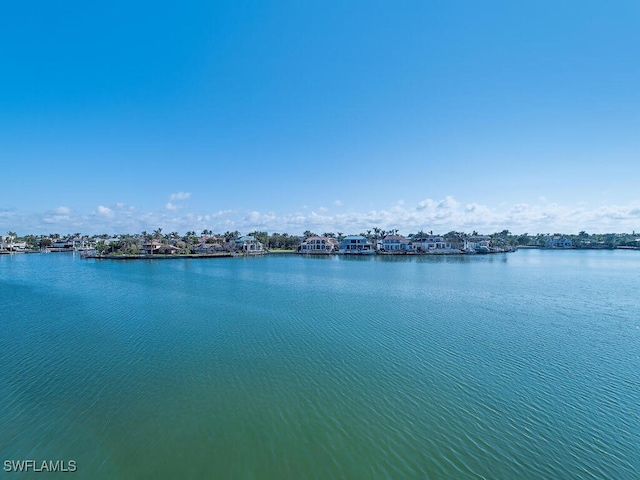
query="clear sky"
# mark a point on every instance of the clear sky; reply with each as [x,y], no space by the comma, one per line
[118,117]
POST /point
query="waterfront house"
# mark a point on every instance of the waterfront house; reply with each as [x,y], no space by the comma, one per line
[8,244]
[19,246]
[558,242]
[209,248]
[428,244]
[355,244]
[150,247]
[169,250]
[318,245]
[479,244]
[396,244]
[249,244]
[63,244]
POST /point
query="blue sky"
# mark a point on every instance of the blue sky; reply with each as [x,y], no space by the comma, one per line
[329,116]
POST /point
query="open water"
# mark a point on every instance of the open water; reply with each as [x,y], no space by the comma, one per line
[522,365]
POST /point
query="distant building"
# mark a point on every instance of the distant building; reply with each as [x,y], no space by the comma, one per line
[356,244]
[430,243]
[9,244]
[558,242]
[396,243]
[150,247]
[318,245]
[209,248]
[249,244]
[66,244]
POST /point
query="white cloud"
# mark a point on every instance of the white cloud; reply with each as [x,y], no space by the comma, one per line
[55,219]
[124,209]
[222,213]
[105,212]
[447,203]
[338,203]
[180,196]
[440,216]
[426,204]
[170,206]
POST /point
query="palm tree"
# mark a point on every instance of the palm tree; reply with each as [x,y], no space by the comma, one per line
[11,236]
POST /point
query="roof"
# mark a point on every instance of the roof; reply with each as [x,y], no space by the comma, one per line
[400,238]
[209,245]
[326,239]
[354,237]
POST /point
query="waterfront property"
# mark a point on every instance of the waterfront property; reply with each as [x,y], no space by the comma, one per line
[9,244]
[150,247]
[396,244]
[558,242]
[209,248]
[318,245]
[63,244]
[249,245]
[170,250]
[478,244]
[356,244]
[429,244]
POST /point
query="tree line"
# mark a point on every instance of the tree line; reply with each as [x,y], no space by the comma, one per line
[133,242]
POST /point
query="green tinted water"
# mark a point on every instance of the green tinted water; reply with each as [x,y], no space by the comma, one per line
[523,365]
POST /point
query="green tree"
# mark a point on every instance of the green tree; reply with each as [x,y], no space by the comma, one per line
[102,247]
[262,237]
[11,236]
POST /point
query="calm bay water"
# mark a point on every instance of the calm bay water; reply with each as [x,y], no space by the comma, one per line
[523,365]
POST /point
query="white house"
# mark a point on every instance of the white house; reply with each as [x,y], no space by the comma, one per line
[249,244]
[9,244]
[558,242]
[356,244]
[431,243]
[318,245]
[396,243]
